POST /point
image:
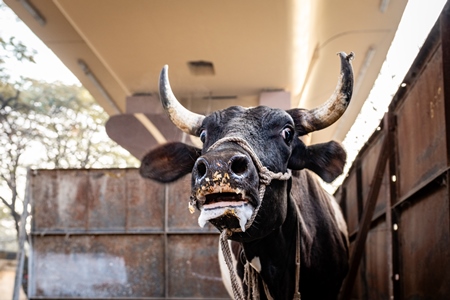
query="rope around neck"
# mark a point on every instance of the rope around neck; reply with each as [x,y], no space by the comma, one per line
[250,276]
[238,294]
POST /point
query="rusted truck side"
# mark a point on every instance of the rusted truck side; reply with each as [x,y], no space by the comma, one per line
[407,251]
[109,234]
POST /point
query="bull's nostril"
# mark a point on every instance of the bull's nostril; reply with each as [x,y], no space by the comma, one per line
[201,169]
[239,165]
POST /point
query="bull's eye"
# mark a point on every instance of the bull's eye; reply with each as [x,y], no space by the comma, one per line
[203,136]
[287,133]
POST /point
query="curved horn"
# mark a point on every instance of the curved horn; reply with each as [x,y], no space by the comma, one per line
[328,113]
[183,118]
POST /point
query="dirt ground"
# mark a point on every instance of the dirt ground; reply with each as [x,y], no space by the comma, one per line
[7,274]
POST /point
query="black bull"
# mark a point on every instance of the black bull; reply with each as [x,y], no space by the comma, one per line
[240,147]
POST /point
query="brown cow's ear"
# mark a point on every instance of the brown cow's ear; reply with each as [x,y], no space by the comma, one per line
[169,162]
[326,160]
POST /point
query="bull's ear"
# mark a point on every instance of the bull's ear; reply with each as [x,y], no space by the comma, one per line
[169,162]
[326,160]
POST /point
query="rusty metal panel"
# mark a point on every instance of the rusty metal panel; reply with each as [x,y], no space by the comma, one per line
[376,275]
[193,266]
[100,234]
[373,272]
[96,200]
[369,161]
[351,204]
[372,281]
[421,134]
[424,236]
[106,196]
[59,200]
[179,218]
[97,266]
[358,291]
[145,203]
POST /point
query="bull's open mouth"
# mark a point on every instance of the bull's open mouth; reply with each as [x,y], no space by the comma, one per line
[230,210]
[223,199]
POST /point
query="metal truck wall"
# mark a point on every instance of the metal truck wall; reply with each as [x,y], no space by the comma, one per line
[407,250]
[106,234]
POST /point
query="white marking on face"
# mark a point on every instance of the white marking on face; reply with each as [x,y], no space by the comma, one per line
[241,210]
[256,264]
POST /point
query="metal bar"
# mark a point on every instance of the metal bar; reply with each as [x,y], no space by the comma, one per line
[448,194]
[86,203]
[423,187]
[392,246]
[166,244]
[389,249]
[366,220]
[395,279]
[123,298]
[359,192]
[127,203]
[445,44]
[22,238]
[376,217]
[445,40]
[112,232]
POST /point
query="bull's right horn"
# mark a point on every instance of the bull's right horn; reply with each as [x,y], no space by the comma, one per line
[183,118]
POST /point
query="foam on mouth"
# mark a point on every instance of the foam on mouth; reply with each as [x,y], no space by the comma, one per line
[241,210]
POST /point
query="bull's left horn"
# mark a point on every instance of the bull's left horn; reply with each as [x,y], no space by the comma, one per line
[328,113]
[183,118]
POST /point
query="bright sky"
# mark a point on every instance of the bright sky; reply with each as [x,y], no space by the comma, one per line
[47,67]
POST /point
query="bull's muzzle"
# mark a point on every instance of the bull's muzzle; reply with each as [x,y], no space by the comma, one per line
[225,187]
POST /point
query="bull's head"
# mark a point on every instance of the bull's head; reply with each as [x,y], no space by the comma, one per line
[226,172]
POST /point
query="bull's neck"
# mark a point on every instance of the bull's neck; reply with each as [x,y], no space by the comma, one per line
[276,254]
